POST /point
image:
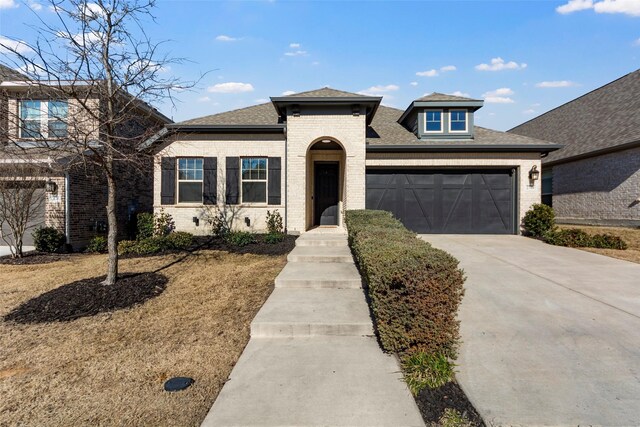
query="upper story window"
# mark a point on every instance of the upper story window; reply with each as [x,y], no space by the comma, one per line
[458,121]
[190,180]
[254,180]
[433,121]
[43,119]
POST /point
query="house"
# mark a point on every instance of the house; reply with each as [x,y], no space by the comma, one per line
[595,177]
[315,154]
[34,121]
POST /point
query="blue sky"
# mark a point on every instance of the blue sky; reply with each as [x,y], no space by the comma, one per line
[522,57]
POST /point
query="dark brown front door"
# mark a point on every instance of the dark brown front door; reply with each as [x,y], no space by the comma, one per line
[325,200]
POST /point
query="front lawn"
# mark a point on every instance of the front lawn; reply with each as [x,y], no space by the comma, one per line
[109,368]
[630,235]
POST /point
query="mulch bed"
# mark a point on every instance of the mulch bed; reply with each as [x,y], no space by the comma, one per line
[88,297]
[433,402]
[34,257]
[258,248]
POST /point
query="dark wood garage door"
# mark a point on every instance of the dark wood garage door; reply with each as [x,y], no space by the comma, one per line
[446,201]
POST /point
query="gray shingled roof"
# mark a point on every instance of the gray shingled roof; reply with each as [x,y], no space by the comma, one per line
[443,97]
[261,114]
[9,74]
[599,120]
[325,92]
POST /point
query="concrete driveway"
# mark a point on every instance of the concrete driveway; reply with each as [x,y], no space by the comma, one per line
[4,250]
[551,335]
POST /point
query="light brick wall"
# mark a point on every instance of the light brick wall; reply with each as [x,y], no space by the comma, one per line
[221,147]
[312,125]
[528,192]
[601,189]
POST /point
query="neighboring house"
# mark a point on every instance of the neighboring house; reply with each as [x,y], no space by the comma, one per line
[313,155]
[75,200]
[595,178]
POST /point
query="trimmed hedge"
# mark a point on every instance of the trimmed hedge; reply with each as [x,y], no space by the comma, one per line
[539,220]
[576,238]
[415,289]
[178,240]
[48,239]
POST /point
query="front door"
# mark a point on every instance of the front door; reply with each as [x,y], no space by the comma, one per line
[325,195]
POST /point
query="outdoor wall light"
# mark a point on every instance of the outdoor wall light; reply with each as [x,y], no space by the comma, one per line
[50,186]
[196,221]
[534,173]
[247,221]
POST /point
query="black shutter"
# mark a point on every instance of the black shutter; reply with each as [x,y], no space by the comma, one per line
[275,181]
[168,181]
[210,181]
[233,181]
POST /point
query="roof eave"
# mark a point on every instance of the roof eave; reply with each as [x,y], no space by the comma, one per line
[464,148]
[283,101]
[276,128]
[595,153]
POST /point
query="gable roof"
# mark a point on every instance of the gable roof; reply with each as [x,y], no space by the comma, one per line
[325,92]
[605,119]
[9,74]
[443,97]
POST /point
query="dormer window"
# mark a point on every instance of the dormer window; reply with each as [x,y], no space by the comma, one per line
[433,121]
[458,121]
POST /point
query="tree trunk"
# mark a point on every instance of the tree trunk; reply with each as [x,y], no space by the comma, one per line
[112,224]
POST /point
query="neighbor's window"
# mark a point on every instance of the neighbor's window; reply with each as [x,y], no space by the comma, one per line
[254,180]
[547,187]
[458,121]
[190,180]
[43,119]
[433,121]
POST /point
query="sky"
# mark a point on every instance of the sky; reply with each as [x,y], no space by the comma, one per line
[522,57]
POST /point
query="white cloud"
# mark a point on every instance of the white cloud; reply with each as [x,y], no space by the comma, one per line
[288,92]
[204,99]
[627,7]
[8,46]
[529,111]
[499,64]
[574,6]
[315,63]
[636,42]
[231,87]
[294,45]
[459,93]
[448,68]
[261,100]
[8,4]
[225,38]
[296,53]
[428,73]
[499,96]
[414,83]
[35,6]
[377,90]
[556,83]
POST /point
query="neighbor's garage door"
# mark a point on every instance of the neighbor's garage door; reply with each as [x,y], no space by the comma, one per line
[446,201]
[37,220]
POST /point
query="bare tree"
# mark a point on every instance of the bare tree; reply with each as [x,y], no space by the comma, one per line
[99,57]
[22,200]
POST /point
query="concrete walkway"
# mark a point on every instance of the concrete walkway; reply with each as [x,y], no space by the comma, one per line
[312,359]
[550,335]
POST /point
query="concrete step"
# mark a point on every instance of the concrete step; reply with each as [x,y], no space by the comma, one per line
[320,254]
[319,275]
[316,381]
[291,312]
[311,239]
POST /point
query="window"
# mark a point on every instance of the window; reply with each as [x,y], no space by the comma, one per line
[433,121]
[458,121]
[547,187]
[43,119]
[254,180]
[190,180]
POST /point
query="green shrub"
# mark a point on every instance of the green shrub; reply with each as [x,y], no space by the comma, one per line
[576,238]
[145,225]
[414,288]
[126,247]
[218,222]
[179,240]
[539,220]
[273,238]
[163,224]
[97,245]
[48,239]
[240,238]
[274,223]
[422,370]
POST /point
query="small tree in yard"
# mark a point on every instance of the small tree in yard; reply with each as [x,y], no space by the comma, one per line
[21,199]
[98,57]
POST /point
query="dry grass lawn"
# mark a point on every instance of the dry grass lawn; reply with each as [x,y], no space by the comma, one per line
[109,369]
[628,234]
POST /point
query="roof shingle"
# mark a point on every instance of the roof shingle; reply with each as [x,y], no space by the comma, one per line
[443,97]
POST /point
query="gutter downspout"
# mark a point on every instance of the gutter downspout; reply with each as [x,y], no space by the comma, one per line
[286,182]
[67,219]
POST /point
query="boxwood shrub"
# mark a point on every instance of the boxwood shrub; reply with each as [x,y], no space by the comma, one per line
[48,239]
[414,288]
[576,238]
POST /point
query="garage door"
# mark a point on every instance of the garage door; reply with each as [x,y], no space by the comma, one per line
[446,201]
[36,221]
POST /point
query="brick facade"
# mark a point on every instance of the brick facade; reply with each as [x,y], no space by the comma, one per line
[599,190]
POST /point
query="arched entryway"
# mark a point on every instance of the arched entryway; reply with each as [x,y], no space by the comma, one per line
[325,183]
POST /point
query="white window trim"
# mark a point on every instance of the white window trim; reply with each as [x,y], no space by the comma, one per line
[178,181]
[441,121]
[266,182]
[44,117]
[466,121]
